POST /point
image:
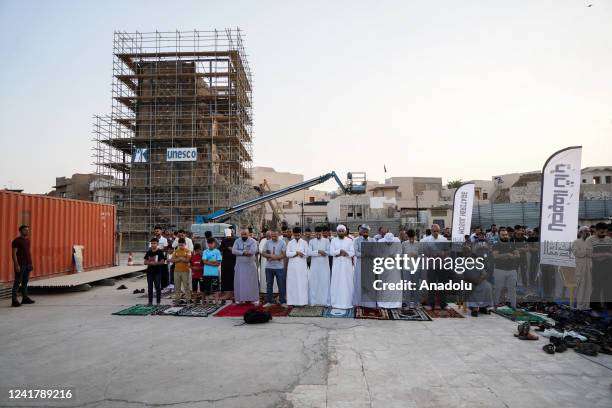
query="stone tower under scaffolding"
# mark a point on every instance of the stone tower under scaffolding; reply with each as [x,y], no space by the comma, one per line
[178,141]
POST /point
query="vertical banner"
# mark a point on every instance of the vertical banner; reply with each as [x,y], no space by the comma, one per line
[559,204]
[462,211]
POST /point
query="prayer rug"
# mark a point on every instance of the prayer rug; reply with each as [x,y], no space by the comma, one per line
[371,313]
[446,313]
[339,313]
[415,314]
[235,310]
[517,315]
[195,311]
[277,310]
[307,311]
[167,310]
[137,310]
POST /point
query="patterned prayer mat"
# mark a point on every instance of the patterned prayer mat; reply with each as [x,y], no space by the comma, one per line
[197,311]
[371,313]
[307,311]
[137,310]
[415,315]
[339,313]
[168,310]
[277,310]
[235,310]
[446,313]
[517,315]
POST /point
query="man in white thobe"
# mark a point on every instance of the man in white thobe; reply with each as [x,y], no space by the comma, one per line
[364,231]
[297,270]
[318,274]
[342,284]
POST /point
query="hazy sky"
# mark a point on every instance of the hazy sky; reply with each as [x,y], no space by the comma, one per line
[455,89]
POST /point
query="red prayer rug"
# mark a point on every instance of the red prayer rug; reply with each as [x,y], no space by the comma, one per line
[235,310]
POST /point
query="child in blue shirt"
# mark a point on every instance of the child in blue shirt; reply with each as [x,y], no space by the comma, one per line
[211,259]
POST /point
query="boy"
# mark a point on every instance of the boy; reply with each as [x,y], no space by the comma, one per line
[155,259]
[211,260]
[196,271]
[182,275]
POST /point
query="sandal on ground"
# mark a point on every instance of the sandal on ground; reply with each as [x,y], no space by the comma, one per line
[549,348]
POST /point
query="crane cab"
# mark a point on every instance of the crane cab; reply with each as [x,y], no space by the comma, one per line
[356,183]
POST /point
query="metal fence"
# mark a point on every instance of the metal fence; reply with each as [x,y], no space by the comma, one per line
[529,213]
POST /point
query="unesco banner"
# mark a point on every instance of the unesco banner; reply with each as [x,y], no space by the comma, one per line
[559,206]
[462,212]
[182,154]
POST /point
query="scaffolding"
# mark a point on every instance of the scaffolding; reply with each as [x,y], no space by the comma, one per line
[182,89]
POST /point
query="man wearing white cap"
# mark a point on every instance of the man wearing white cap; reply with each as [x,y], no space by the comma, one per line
[318,274]
[297,270]
[342,284]
[390,299]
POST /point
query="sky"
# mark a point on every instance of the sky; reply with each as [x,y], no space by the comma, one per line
[452,89]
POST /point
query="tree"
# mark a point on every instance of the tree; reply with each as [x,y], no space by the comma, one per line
[454,183]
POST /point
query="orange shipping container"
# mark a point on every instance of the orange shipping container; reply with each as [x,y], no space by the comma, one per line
[56,224]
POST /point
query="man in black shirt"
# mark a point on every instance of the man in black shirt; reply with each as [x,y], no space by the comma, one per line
[22,264]
[155,259]
[506,257]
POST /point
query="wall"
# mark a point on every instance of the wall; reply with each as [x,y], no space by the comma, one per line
[55,226]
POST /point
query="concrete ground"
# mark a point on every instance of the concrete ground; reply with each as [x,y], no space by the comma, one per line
[71,341]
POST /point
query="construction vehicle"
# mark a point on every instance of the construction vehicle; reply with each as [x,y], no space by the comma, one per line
[355,184]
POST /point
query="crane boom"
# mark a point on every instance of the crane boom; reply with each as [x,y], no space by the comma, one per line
[275,194]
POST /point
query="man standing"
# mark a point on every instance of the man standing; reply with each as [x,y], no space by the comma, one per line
[364,231]
[274,253]
[155,259]
[602,266]
[506,258]
[188,241]
[412,249]
[436,247]
[342,283]
[22,264]
[493,236]
[263,261]
[162,244]
[318,275]
[297,270]
[228,264]
[182,274]
[245,276]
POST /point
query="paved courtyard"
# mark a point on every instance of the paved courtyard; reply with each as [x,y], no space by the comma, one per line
[71,341]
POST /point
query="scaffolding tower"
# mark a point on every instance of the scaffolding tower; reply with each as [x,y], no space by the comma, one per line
[182,89]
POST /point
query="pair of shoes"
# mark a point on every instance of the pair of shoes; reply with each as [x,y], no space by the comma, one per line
[549,348]
[27,301]
[484,310]
[588,349]
[474,313]
[15,303]
[560,344]
[524,332]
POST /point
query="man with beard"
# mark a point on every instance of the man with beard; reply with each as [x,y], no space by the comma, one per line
[506,257]
[342,284]
[318,275]
[246,285]
[364,231]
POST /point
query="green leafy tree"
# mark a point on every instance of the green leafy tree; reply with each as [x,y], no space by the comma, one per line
[454,183]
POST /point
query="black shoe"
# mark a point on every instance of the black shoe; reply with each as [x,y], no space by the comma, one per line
[549,348]
[474,313]
[27,301]
[484,310]
[15,303]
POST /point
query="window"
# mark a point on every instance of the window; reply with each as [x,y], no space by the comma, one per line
[596,180]
[485,196]
[608,179]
